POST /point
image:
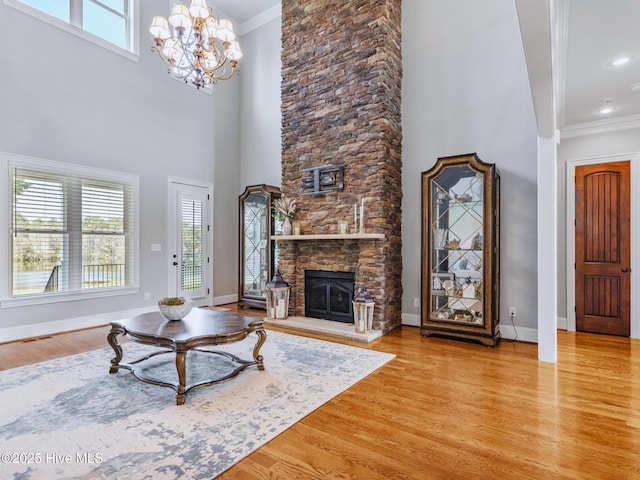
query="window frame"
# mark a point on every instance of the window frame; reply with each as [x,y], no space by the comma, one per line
[132,51]
[8,161]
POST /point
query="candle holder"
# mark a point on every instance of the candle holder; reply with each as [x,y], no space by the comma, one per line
[277,293]
[363,306]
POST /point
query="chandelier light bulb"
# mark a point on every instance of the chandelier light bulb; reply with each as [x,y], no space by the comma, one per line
[233,52]
[199,9]
[160,28]
[180,16]
[225,31]
[171,49]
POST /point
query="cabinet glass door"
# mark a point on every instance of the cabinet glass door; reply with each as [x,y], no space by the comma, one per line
[255,242]
[457,263]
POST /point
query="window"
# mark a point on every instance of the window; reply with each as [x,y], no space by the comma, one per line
[73,230]
[108,22]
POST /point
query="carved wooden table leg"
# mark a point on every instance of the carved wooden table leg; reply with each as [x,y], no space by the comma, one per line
[262,337]
[113,341]
[181,361]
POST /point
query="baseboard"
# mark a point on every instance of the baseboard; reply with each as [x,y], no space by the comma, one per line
[11,334]
[411,319]
[562,323]
[224,299]
[523,333]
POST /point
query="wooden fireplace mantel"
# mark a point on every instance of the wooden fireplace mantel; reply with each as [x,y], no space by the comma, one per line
[332,236]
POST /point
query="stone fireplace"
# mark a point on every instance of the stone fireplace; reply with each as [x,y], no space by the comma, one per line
[341,79]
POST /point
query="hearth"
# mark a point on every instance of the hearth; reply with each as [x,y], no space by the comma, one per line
[328,295]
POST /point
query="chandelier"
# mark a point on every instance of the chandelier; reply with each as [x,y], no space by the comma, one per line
[192,50]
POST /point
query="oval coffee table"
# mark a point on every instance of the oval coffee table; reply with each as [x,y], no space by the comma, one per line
[201,328]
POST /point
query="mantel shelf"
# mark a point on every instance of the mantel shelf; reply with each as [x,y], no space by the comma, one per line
[332,236]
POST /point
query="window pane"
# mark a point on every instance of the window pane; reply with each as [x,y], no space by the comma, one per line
[117,5]
[103,261]
[102,207]
[39,201]
[37,263]
[55,8]
[104,24]
[192,243]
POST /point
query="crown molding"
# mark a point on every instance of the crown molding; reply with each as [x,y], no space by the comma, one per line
[260,19]
[600,126]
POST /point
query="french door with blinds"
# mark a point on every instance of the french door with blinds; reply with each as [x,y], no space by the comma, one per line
[189,248]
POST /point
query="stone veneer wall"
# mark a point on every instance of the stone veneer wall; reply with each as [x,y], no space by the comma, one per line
[341,104]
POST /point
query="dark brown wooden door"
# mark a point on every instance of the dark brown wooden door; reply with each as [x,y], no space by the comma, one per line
[603,254]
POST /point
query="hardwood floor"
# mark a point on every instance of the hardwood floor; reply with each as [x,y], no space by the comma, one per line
[445,409]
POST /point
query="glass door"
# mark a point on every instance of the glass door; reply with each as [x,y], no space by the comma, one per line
[189,248]
[457,232]
[255,243]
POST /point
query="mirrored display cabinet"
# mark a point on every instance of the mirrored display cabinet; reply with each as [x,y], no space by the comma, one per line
[257,247]
[460,250]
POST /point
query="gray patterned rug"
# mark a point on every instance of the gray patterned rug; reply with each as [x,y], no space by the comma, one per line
[68,418]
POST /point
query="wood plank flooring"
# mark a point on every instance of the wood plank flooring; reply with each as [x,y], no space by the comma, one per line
[445,409]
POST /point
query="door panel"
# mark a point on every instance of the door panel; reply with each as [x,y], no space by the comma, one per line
[603,254]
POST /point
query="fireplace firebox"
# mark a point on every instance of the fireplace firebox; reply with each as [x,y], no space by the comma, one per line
[328,295]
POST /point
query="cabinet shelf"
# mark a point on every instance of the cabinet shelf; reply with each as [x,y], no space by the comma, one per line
[460,249]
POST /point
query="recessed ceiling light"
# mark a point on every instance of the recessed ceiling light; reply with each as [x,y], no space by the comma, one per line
[621,60]
[608,106]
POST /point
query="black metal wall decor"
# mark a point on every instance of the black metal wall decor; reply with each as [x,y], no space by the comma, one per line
[324,179]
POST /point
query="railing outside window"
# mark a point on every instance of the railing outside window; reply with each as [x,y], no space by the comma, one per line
[93,276]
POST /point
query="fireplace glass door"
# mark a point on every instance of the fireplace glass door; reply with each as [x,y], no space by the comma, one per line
[329,295]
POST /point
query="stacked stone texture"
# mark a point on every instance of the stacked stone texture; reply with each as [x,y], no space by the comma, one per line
[341,81]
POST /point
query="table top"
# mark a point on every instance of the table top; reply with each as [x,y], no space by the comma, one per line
[200,323]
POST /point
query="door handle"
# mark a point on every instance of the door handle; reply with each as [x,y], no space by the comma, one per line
[175,263]
[625,270]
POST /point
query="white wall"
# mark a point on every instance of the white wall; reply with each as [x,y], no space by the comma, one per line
[63,98]
[465,89]
[580,148]
[260,106]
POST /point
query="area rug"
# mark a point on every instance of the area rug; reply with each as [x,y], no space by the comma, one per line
[70,419]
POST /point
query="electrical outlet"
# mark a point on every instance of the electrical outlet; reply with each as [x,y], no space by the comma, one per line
[416,302]
[146,295]
[513,312]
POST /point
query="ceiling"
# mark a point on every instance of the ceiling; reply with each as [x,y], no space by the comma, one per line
[592,33]
[597,32]
[243,10]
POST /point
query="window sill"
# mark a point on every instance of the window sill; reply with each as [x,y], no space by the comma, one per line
[27,300]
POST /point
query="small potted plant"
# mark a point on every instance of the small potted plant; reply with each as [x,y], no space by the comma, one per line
[175,308]
[285,209]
